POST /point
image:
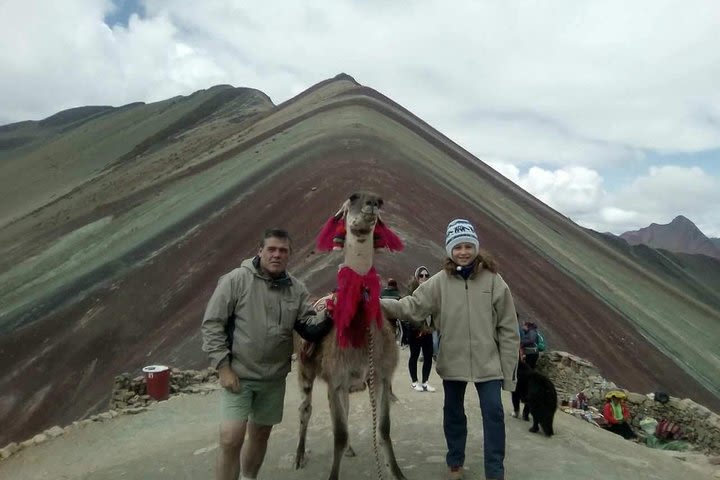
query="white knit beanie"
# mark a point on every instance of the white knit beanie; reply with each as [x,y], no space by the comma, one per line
[460,231]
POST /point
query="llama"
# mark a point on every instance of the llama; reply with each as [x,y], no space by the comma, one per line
[360,350]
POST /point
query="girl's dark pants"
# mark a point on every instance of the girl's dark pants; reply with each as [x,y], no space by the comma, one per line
[455,424]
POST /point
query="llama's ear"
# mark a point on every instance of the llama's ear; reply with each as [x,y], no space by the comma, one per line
[343,210]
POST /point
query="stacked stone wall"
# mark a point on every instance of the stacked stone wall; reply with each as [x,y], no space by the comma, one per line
[572,375]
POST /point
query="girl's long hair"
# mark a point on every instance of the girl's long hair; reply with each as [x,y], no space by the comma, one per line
[484,260]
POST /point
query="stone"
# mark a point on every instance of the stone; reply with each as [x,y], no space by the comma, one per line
[27,443]
[105,416]
[633,397]
[54,432]
[9,449]
[39,438]
[134,410]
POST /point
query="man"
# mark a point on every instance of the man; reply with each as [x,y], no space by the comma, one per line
[247,333]
[391,290]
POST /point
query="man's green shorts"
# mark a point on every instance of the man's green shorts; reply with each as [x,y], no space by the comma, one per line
[260,401]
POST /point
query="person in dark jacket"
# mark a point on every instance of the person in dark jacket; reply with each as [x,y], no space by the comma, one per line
[474,313]
[247,333]
[529,354]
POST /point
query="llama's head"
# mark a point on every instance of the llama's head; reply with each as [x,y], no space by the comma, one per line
[361,215]
[358,216]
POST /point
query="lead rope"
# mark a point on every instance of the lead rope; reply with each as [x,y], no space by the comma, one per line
[373,403]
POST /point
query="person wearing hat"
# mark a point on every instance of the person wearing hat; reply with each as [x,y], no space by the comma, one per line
[420,339]
[473,311]
[617,415]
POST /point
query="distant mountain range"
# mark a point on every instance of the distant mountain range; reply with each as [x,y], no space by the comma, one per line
[681,235]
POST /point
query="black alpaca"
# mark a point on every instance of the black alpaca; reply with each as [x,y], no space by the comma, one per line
[538,393]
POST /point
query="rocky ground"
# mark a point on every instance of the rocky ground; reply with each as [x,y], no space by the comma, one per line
[177,439]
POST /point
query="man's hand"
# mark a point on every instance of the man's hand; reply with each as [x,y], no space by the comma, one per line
[228,379]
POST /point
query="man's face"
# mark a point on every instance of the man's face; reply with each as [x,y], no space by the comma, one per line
[464,253]
[274,255]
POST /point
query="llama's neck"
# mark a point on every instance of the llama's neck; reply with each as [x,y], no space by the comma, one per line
[358,255]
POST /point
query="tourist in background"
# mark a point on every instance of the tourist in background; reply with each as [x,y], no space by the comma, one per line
[529,354]
[420,339]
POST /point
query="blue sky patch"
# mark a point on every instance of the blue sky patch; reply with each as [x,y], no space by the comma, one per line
[121,11]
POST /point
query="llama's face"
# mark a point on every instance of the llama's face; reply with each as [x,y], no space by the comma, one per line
[362,215]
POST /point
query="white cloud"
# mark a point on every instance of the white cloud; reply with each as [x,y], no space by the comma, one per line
[574,90]
[601,79]
[670,190]
[573,190]
[657,196]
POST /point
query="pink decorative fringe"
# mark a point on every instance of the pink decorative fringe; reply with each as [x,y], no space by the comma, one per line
[386,238]
[324,242]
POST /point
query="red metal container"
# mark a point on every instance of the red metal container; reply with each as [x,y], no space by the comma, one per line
[157,378]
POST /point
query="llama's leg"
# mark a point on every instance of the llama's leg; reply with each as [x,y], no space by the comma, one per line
[339,399]
[306,380]
[383,404]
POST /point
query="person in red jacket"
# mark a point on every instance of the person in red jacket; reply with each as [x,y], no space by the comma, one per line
[617,415]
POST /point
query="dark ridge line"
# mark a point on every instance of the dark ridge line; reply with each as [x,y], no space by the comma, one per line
[315,88]
[184,123]
[72,115]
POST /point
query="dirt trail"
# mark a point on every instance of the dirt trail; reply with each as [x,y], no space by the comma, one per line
[177,440]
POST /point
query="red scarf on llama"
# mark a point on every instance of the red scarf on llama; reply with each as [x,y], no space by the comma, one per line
[357,304]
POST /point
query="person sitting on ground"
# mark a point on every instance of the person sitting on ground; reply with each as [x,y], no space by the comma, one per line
[617,415]
[420,338]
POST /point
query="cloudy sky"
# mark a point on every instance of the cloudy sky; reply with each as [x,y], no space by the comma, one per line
[609,111]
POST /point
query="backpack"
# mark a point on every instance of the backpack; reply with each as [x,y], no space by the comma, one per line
[667,430]
[540,342]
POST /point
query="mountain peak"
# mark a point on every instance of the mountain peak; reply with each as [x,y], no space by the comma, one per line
[682,220]
[680,235]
